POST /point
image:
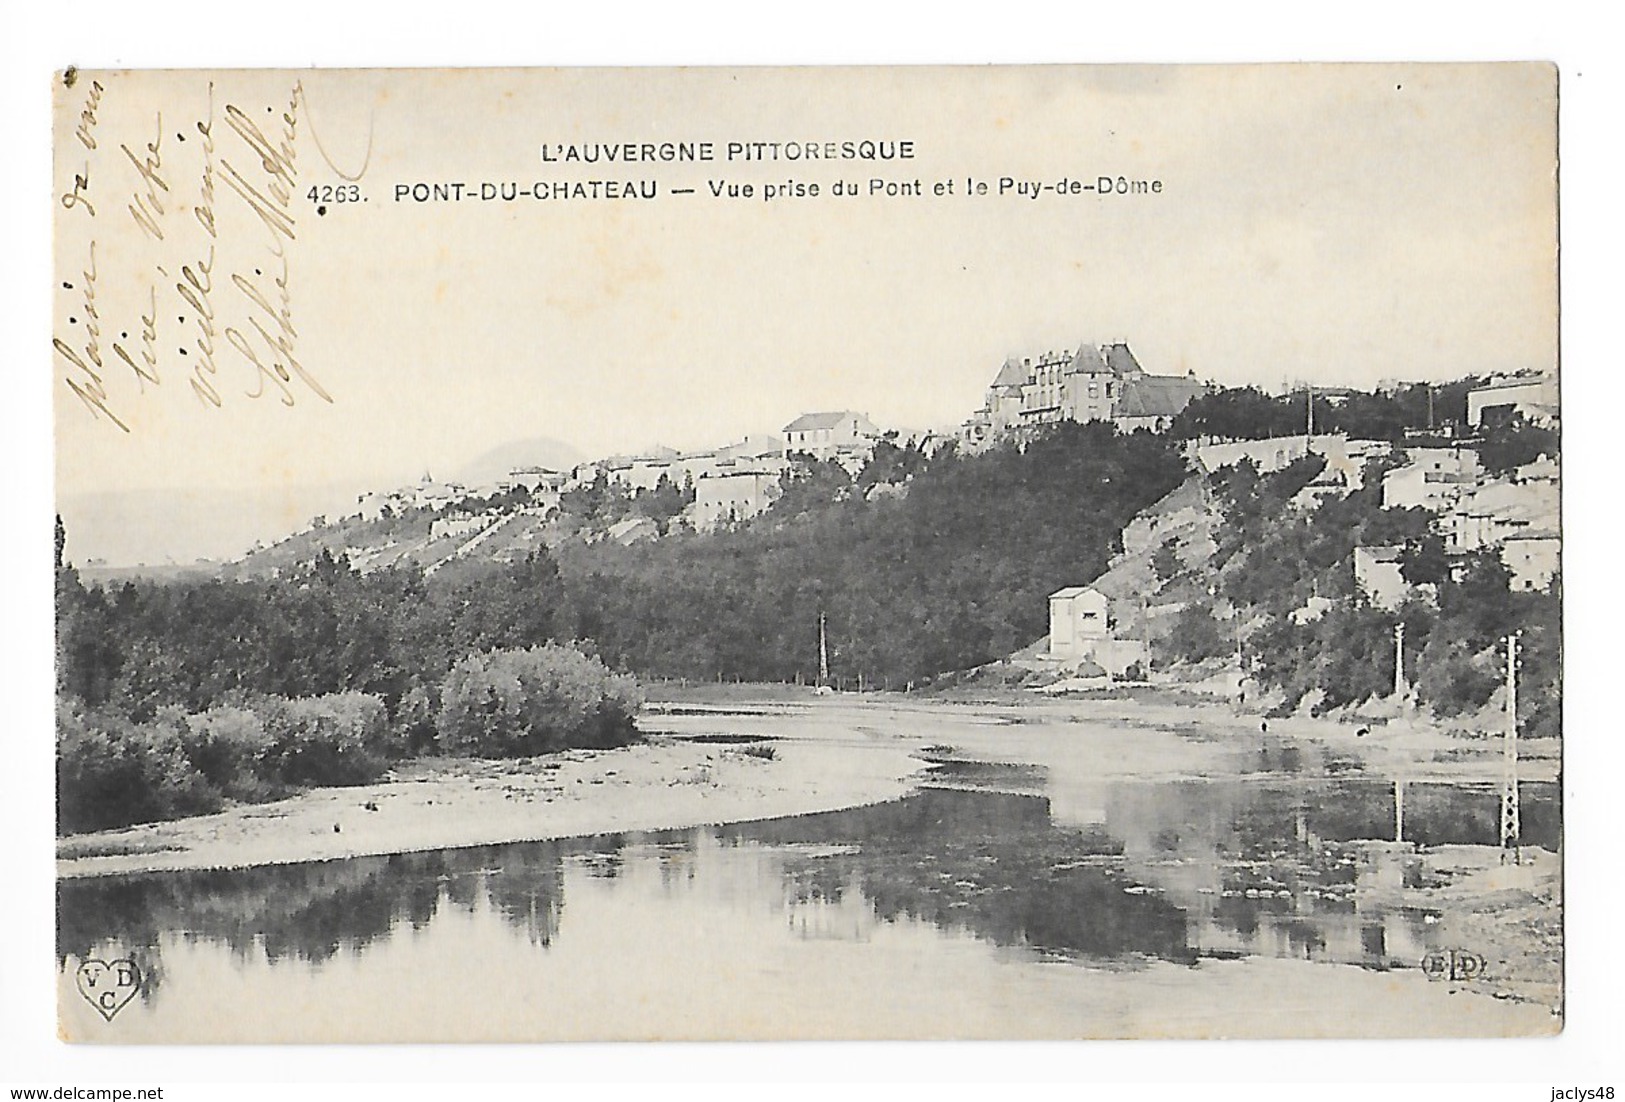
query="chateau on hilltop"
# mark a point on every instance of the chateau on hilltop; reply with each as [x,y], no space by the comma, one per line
[1095,383]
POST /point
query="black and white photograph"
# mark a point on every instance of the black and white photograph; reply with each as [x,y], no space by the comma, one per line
[785,554]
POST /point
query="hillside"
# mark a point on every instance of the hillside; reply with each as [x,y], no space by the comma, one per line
[947,566]
[923,566]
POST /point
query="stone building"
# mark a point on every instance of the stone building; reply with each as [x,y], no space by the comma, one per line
[1095,383]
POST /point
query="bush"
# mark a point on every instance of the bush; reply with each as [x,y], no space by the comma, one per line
[1197,635]
[1455,678]
[413,732]
[335,739]
[515,703]
[1165,561]
[112,773]
[231,748]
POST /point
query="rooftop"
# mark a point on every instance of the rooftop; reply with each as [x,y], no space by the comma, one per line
[1012,374]
[1156,395]
[829,420]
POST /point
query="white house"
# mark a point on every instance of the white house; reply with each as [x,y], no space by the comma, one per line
[734,493]
[837,434]
[1080,630]
[1077,620]
[1377,574]
[1531,395]
[1433,478]
[1533,557]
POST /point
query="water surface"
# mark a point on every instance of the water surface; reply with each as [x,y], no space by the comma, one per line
[990,903]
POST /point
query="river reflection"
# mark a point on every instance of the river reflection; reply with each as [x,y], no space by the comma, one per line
[1119,878]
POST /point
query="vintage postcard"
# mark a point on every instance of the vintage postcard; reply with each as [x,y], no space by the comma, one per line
[730,554]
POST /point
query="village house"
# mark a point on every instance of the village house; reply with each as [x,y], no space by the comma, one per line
[754,446]
[1377,575]
[1077,620]
[1080,630]
[423,494]
[1534,558]
[1531,395]
[1151,402]
[735,492]
[638,472]
[534,479]
[1095,383]
[841,435]
[1499,511]
[1432,478]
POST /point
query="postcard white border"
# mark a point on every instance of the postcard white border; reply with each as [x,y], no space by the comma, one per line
[161,35]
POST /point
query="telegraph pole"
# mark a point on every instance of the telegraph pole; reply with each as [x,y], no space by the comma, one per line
[1511,828]
[1399,660]
[823,656]
[1399,810]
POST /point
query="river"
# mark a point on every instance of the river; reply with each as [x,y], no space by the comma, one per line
[1019,898]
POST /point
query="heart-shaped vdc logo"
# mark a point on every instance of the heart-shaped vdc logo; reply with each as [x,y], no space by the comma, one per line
[108,985]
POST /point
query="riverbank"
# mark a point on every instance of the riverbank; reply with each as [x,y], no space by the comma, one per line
[777,752]
[663,783]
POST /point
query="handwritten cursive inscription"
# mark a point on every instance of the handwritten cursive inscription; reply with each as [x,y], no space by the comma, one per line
[86,130]
[270,198]
[197,279]
[85,381]
[272,204]
[79,195]
[147,370]
[148,207]
[203,266]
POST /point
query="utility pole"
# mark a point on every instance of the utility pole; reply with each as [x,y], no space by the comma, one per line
[823,655]
[1511,828]
[1399,660]
[1310,393]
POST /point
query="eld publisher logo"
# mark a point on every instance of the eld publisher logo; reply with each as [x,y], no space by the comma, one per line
[108,985]
[1453,964]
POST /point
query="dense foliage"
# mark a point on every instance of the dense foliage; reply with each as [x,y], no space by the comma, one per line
[112,770]
[1246,413]
[1273,558]
[515,703]
[601,502]
[953,573]
[178,697]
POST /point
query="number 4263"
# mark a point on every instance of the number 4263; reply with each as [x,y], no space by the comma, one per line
[334,193]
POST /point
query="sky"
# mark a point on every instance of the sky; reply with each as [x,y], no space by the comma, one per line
[1337,224]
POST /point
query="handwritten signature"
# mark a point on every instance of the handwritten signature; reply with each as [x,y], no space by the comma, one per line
[259,165]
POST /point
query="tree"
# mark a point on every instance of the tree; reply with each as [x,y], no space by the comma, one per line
[513,703]
[1423,561]
[1504,448]
[1165,561]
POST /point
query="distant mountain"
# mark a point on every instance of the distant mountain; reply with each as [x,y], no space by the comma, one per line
[179,527]
[540,451]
